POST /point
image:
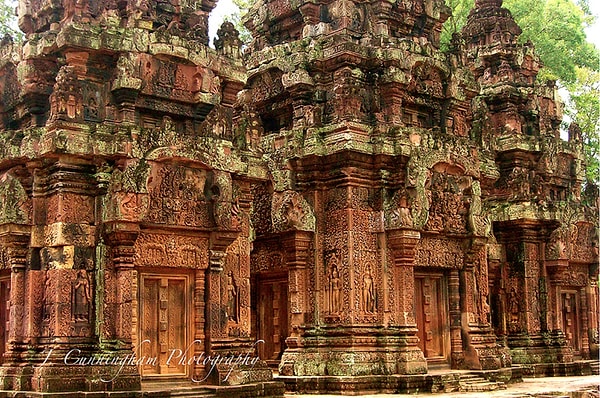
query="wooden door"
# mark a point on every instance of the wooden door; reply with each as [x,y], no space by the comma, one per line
[163,323]
[570,318]
[432,316]
[272,317]
[4,314]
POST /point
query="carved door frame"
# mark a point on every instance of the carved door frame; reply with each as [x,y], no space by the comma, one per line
[4,312]
[185,276]
[442,313]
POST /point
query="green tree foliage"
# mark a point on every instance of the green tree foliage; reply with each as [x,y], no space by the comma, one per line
[8,20]
[584,108]
[236,18]
[557,29]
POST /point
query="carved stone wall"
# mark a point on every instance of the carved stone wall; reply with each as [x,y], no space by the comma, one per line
[340,183]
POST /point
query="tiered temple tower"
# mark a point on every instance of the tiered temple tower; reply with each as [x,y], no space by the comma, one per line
[416,197]
[125,199]
[366,205]
[544,284]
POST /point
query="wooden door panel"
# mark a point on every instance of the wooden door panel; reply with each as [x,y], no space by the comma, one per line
[265,320]
[175,308]
[272,317]
[431,316]
[163,323]
[148,324]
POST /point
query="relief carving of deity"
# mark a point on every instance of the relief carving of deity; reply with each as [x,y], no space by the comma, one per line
[81,297]
[335,291]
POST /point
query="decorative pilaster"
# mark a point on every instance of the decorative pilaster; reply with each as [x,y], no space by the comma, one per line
[457,355]
[296,245]
[481,351]
[14,239]
[120,236]
[403,243]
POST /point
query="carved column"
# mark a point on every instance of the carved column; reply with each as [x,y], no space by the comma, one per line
[14,239]
[592,299]
[199,318]
[295,245]
[214,317]
[480,351]
[403,243]
[528,338]
[218,341]
[457,356]
[121,237]
[216,309]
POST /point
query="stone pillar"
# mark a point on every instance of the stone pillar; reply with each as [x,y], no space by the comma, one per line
[215,317]
[199,318]
[529,339]
[592,300]
[15,239]
[456,354]
[584,311]
[296,245]
[216,309]
[218,341]
[120,237]
[403,243]
[480,349]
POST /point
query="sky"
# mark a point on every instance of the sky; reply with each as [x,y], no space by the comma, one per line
[593,32]
[223,8]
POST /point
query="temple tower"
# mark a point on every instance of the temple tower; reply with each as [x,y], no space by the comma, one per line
[125,201]
[376,182]
[542,219]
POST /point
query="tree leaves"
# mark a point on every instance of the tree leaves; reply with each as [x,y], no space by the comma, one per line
[8,20]
[557,29]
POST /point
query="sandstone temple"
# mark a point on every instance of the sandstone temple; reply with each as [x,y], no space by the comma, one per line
[338,205]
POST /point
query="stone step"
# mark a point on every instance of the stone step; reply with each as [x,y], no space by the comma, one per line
[480,387]
[181,392]
[476,383]
[190,394]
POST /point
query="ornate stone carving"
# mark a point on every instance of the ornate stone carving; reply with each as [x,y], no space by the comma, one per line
[228,41]
[334,284]
[156,250]
[439,252]
[15,205]
[479,223]
[66,101]
[81,297]
[291,211]
[179,195]
[398,211]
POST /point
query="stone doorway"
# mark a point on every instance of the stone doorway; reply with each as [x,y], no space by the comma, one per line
[4,314]
[163,320]
[569,302]
[431,300]
[272,316]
